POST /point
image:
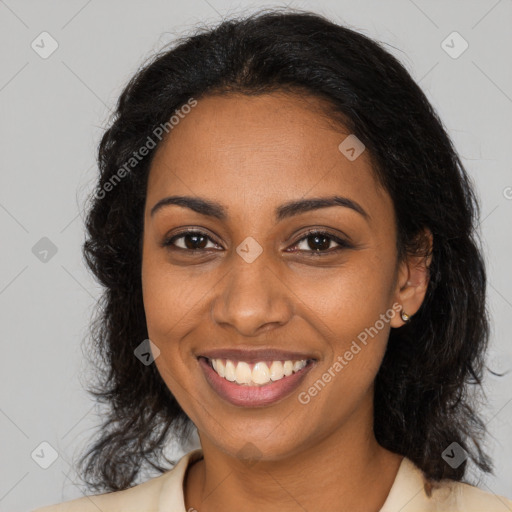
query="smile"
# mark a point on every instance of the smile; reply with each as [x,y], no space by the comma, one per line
[256,384]
[255,374]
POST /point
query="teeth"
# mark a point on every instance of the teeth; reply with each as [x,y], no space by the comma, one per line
[276,370]
[230,371]
[259,375]
[243,373]
[288,368]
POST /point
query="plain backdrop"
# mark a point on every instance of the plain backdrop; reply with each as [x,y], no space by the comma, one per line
[53,111]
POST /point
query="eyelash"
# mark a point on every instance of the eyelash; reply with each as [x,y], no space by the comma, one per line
[342,244]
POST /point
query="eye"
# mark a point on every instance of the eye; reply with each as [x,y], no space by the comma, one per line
[190,240]
[318,243]
[315,242]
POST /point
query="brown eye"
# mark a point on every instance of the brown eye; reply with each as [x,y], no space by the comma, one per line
[319,243]
[189,240]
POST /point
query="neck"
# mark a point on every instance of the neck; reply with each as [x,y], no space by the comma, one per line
[347,471]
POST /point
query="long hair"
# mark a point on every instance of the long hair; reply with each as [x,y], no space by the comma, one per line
[423,390]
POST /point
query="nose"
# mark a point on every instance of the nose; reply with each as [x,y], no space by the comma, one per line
[252,298]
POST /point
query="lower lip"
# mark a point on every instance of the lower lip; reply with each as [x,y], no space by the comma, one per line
[253,396]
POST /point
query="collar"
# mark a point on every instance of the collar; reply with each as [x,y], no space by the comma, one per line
[407,494]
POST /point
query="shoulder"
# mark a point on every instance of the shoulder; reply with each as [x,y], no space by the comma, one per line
[412,493]
[473,499]
[144,497]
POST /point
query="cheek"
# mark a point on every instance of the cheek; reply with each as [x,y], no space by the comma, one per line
[351,308]
[348,299]
[169,296]
[176,305]
[168,301]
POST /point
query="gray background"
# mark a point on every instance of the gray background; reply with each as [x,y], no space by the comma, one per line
[52,114]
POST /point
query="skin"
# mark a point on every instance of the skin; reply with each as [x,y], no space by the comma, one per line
[252,154]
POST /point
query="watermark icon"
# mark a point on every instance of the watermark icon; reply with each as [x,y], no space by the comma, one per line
[351,147]
[454,45]
[44,455]
[44,45]
[454,455]
[250,454]
[44,249]
[147,352]
[144,150]
[304,397]
[249,249]
[507,192]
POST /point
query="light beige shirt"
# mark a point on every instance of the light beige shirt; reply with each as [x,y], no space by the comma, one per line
[164,493]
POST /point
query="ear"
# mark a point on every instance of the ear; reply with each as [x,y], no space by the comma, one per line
[412,278]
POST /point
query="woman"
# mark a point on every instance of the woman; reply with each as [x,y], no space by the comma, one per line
[286,237]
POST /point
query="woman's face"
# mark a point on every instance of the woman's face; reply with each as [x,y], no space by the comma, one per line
[253,278]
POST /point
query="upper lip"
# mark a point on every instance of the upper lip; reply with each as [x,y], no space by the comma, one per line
[256,355]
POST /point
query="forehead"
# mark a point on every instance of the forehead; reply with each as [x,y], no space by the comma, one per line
[266,148]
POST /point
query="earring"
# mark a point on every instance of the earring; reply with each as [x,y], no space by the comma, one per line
[405,317]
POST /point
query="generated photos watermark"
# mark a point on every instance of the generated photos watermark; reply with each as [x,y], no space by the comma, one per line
[144,150]
[305,397]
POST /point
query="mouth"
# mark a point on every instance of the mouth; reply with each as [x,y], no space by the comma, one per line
[257,383]
[260,373]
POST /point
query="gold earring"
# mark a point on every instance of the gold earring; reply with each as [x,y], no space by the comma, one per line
[404,316]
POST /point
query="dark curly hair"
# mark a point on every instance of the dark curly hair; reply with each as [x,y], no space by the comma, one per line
[426,388]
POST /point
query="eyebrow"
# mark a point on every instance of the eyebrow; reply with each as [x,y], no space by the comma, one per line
[286,210]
